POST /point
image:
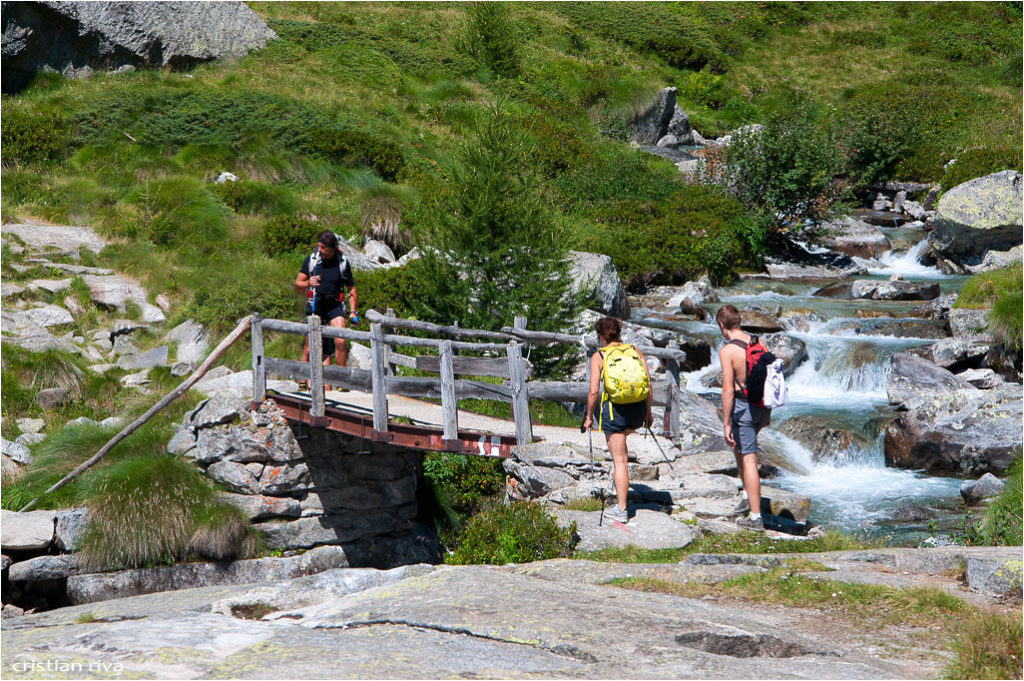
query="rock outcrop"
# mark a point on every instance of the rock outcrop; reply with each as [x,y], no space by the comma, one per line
[982,215]
[949,426]
[854,238]
[594,275]
[78,38]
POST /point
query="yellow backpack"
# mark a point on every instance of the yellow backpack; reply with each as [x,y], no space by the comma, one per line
[623,374]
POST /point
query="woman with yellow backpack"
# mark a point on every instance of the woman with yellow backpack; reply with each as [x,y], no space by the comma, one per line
[620,392]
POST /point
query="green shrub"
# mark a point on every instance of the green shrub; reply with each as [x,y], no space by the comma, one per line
[679,39]
[975,163]
[238,285]
[394,287]
[349,147]
[783,173]
[697,230]
[30,137]
[704,88]
[520,532]
[464,480]
[149,510]
[288,234]
[244,196]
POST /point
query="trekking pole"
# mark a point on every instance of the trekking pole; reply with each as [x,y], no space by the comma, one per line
[663,454]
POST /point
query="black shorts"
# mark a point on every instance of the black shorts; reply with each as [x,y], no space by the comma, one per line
[618,418]
[326,313]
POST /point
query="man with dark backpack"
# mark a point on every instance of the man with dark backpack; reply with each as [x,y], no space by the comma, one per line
[326,279]
[744,368]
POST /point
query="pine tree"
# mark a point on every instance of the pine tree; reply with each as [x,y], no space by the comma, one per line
[497,250]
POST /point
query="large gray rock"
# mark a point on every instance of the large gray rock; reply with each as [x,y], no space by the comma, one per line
[646,529]
[335,528]
[790,349]
[156,357]
[537,481]
[31,531]
[93,587]
[234,476]
[652,123]
[42,568]
[260,507]
[26,334]
[897,289]
[68,239]
[996,260]
[245,444]
[238,385]
[854,237]
[76,38]
[115,292]
[71,526]
[951,352]
[884,326]
[692,296]
[959,432]
[287,479]
[967,322]
[191,341]
[978,216]
[46,316]
[994,576]
[914,381]
[17,452]
[976,491]
[595,275]
[217,411]
[379,251]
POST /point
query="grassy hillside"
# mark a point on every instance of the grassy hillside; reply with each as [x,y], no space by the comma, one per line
[355,111]
[354,120]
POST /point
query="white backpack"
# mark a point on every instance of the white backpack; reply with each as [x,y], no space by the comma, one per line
[775,392]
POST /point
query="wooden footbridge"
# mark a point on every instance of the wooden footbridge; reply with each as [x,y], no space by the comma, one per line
[440,350]
[445,352]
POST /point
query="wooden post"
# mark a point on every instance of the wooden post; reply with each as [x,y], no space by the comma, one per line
[259,371]
[318,406]
[520,396]
[379,378]
[449,400]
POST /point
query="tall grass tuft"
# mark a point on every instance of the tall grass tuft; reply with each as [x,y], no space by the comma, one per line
[988,646]
[223,533]
[151,510]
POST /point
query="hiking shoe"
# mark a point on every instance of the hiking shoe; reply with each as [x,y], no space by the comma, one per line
[742,507]
[748,523]
[617,514]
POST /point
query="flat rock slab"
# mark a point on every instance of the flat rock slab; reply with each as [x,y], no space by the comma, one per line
[30,531]
[552,619]
[63,237]
[646,529]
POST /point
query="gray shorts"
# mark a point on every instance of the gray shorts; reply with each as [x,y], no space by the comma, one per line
[747,421]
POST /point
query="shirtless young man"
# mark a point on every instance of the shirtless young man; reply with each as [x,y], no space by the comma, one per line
[741,421]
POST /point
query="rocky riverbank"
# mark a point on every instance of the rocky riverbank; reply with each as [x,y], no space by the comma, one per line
[556,619]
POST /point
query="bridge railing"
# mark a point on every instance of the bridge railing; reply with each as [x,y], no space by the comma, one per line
[381,379]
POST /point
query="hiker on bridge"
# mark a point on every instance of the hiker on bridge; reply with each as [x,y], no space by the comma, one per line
[620,391]
[326,279]
[742,418]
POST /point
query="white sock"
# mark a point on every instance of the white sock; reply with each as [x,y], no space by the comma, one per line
[755,516]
